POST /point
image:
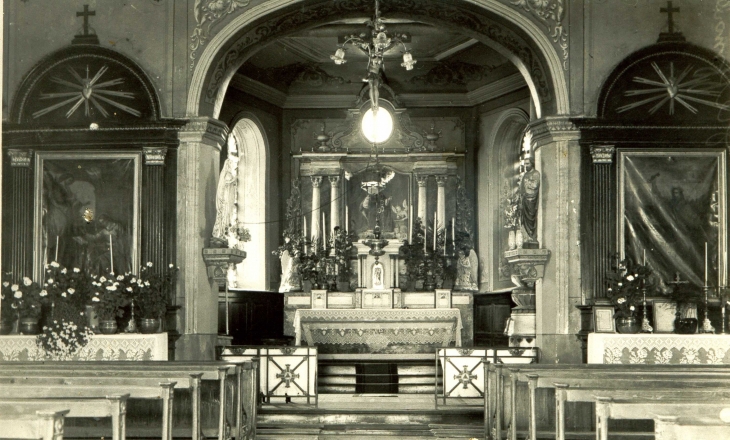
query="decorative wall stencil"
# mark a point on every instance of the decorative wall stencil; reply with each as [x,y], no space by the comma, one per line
[457,72]
[307,74]
[207,14]
[443,12]
[551,13]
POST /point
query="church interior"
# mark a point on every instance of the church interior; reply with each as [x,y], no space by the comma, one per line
[355,219]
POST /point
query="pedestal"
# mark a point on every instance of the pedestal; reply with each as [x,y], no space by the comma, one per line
[527,266]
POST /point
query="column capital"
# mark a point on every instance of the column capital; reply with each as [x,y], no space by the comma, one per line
[441,180]
[205,130]
[602,153]
[334,180]
[316,181]
[20,158]
[421,179]
[551,129]
[154,155]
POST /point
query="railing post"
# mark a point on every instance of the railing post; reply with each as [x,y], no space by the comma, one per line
[195,379]
[499,401]
[167,409]
[487,396]
[222,373]
[513,403]
[532,383]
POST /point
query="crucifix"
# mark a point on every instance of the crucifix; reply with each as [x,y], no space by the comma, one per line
[669,10]
[86,14]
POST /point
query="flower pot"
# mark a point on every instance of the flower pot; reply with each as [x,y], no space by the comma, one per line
[630,324]
[6,327]
[149,325]
[28,326]
[429,285]
[108,326]
[685,326]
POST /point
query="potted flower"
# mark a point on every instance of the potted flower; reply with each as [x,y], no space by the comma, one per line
[62,340]
[342,244]
[7,313]
[511,214]
[27,301]
[68,294]
[110,294]
[628,284]
[151,295]
[414,256]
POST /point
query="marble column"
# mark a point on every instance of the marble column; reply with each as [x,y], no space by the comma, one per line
[316,212]
[153,207]
[21,217]
[604,235]
[422,180]
[441,201]
[334,202]
[198,169]
[558,159]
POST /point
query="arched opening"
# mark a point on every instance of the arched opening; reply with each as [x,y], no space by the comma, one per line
[252,273]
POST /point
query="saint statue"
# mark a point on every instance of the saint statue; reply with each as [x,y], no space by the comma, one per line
[529,196]
[467,269]
[290,281]
[225,198]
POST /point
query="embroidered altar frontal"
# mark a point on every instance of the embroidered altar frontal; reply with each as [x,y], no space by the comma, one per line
[607,348]
[378,330]
[121,347]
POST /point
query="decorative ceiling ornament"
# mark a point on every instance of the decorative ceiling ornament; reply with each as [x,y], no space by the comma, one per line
[208,13]
[551,13]
[375,46]
[457,72]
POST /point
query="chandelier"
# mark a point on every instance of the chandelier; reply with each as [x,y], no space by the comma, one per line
[376,45]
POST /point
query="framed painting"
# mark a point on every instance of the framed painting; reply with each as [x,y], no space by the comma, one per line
[672,212]
[603,321]
[87,211]
[396,205]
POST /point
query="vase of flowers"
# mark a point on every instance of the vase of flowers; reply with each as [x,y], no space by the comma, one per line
[151,295]
[7,313]
[62,340]
[27,301]
[628,282]
[511,214]
[110,295]
[68,294]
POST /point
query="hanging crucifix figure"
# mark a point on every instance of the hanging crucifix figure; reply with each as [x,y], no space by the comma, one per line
[373,79]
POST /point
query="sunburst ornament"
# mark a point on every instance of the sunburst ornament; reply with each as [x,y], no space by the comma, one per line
[87,91]
[683,89]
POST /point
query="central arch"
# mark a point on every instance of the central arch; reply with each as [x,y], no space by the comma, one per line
[521,40]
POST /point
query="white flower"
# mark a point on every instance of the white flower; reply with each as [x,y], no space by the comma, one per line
[6,284]
[14,287]
[112,288]
[146,283]
[77,270]
[18,294]
[149,264]
[129,289]
[27,281]
[64,270]
[632,308]
[102,279]
[50,281]
[133,280]
[621,300]
[63,294]
[610,289]
[120,277]
[630,278]
[54,264]
[171,266]
[620,284]
[43,292]
[71,290]
[95,299]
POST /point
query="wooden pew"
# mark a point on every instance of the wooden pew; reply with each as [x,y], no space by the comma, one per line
[190,373]
[44,425]
[499,378]
[114,407]
[696,414]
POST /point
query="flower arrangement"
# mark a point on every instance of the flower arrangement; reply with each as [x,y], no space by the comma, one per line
[8,313]
[510,206]
[153,287]
[342,244]
[238,233]
[68,292]
[628,283]
[27,298]
[61,340]
[110,294]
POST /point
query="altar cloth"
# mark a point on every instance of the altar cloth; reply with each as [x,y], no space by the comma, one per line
[120,347]
[378,328]
[616,348]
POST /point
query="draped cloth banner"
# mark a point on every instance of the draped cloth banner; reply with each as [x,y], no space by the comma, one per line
[670,207]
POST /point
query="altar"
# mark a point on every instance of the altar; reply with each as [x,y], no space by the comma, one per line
[616,348]
[119,347]
[378,330]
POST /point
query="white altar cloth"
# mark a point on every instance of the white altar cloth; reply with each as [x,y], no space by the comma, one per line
[120,347]
[616,348]
[378,328]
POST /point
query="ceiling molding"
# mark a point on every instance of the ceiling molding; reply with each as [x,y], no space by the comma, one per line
[455,49]
[302,50]
[475,97]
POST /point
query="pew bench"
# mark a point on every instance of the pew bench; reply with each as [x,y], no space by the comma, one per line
[43,425]
[683,428]
[110,406]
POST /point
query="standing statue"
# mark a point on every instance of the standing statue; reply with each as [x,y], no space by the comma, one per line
[529,197]
[467,269]
[290,281]
[226,194]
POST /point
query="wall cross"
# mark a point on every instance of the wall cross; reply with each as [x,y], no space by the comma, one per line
[86,14]
[669,10]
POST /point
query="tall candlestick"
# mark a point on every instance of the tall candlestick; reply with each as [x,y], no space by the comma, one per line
[324,232]
[644,257]
[453,231]
[410,224]
[347,218]
[304,235]
[435,231]
[425,231]
[56,259]
[706,264]
[111,256]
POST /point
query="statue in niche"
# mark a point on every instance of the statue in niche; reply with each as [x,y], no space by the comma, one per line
[378,276]
[529,197]
[467,270]
[226,195]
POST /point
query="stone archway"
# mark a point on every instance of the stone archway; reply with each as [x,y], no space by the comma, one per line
[502,27]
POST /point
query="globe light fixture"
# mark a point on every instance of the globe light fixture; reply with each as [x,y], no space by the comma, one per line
[377,127]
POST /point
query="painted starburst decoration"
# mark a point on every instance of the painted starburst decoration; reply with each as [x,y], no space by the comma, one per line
[681,89]
[87,92]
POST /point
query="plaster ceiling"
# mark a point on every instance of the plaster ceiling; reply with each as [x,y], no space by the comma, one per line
[297,70]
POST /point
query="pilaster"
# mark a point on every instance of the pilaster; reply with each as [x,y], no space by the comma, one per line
[604,236]
[557,158]
[198,170]
[21,214]
[153,207]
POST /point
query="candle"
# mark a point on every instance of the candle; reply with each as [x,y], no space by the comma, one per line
[304,234]
[453,231]
[56,259]
[324,232]
[435,231]
[347,218]
[425,230]
[111,256]
[644,257]
[410,224]
[705,263]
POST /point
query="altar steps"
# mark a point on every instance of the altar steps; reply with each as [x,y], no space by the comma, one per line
[337,375]
[367,417]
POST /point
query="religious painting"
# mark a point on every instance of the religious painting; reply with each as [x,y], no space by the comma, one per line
[393,205]
[87,211]
[672,211]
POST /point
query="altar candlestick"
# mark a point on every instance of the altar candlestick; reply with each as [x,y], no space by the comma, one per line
[425,230]
[304,234]
[410,224]
[453,231]
[111,255]
[435,231]
[324,232]
[706,264]
[347,218]
[644,257]
[56,259]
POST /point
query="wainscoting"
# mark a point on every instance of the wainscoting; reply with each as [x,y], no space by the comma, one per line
[254,316]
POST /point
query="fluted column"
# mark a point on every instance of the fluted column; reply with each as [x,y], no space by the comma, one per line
[334,202]
[422,180]
[441,202]
[603,203]
[153,207]
[316,213]
[21,215]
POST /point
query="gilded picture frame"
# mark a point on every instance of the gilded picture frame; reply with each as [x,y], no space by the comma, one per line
[87,210]
[670,203]
[603,321]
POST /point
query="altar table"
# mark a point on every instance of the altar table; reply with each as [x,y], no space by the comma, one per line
[120,347]
[378,328]
[615,348]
